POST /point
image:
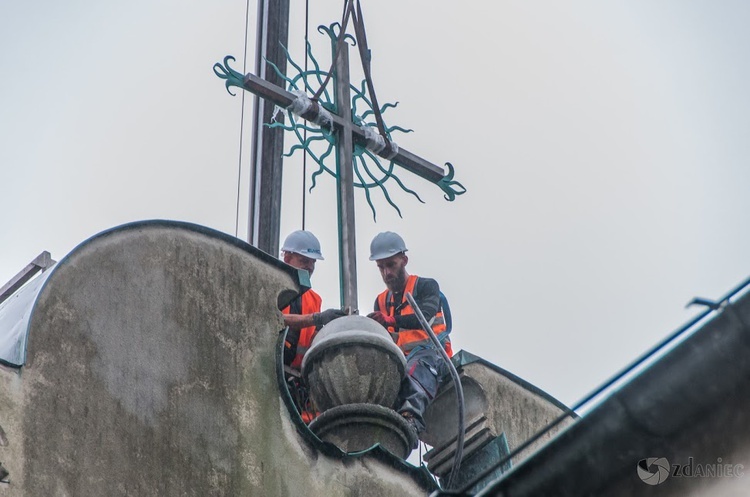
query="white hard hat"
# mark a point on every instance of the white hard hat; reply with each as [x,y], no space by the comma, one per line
[303,243]
[386,244]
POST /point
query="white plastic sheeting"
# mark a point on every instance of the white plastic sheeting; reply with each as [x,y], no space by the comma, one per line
[15,313]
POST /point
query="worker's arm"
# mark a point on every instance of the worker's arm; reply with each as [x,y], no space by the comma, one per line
[428,299]
[298,321]
[318,319]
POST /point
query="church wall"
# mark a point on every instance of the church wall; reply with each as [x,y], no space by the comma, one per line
[151,371]
[518,411]
[509,404]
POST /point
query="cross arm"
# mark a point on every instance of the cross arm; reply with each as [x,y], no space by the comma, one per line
[284,98]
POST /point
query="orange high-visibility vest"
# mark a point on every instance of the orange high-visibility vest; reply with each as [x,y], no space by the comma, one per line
[407,340]
[311,302]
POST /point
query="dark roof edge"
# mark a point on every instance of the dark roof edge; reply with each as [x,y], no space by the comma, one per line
[648,413]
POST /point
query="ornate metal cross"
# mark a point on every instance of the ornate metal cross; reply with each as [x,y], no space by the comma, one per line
[348,134]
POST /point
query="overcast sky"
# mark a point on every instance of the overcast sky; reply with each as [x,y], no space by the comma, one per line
[603,146]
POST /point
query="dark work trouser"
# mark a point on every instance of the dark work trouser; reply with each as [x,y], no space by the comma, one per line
[425,373]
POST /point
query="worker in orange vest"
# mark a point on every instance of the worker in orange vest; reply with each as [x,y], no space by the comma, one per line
[425,369]
[303,316]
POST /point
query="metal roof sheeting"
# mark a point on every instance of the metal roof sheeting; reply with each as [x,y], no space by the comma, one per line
[15,313]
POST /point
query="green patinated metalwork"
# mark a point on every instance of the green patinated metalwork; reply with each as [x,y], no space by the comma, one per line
[232,77]
[320,142]
[370,172]
[450,187]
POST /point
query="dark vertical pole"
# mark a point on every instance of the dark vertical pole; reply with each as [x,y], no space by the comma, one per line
[267,144]
[345,186]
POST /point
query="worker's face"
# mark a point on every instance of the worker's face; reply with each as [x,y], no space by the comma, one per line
[393,271]
[300,261]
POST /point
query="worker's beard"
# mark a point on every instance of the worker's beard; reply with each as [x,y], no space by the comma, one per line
[398,282]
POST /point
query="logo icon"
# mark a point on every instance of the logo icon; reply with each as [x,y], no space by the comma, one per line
[653,470]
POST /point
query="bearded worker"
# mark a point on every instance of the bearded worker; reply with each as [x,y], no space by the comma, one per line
[425,369]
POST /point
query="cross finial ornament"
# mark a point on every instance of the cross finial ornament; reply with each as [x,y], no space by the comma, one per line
[346,135]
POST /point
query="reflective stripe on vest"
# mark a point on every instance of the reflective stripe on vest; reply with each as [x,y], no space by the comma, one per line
[311,302]
[408,340]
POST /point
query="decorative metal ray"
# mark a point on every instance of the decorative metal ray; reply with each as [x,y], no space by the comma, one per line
[343,124]
[370,172]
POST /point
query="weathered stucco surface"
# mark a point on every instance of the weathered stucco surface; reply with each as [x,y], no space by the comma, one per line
[511,406]
[151,372]
[519,412]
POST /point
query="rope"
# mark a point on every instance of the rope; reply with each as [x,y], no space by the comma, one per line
[344,22]
[364,56]
[242,125]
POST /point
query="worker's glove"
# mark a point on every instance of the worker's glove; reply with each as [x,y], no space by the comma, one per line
[384,319]
[321,319]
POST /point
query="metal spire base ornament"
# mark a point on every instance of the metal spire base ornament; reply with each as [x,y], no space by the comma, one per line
[354,372]
[358,427]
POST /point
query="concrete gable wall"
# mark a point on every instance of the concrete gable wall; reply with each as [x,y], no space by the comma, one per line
[151,371]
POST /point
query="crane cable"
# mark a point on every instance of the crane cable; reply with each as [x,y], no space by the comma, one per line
[242,124]
[304,156]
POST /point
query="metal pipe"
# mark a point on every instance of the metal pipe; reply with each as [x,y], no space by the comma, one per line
[264,218]
[456,383]
[345,187]
[283,98]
